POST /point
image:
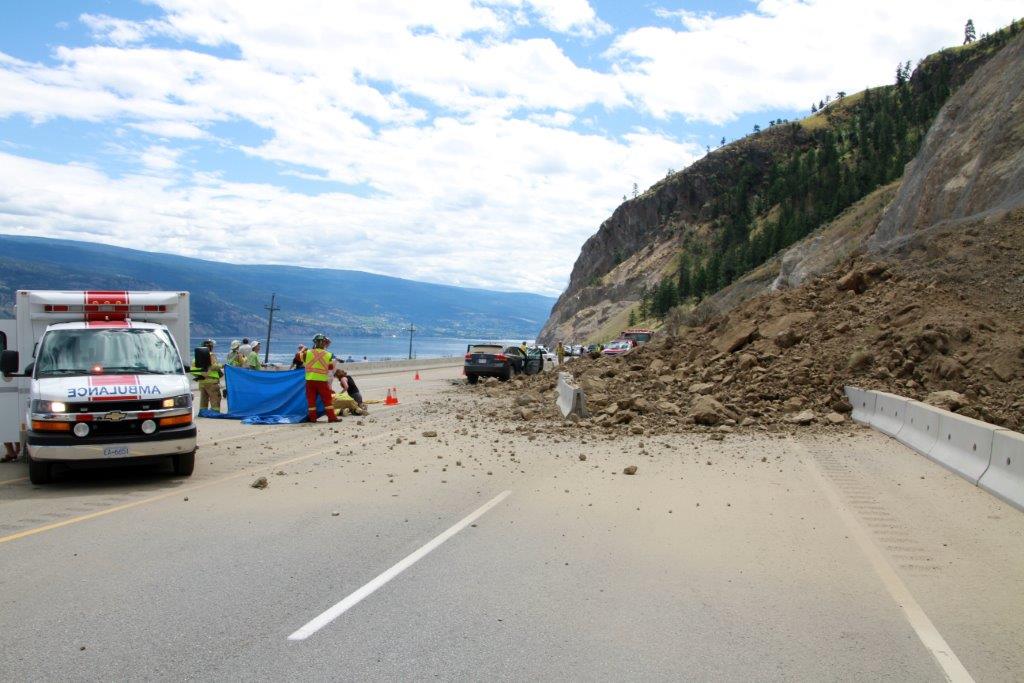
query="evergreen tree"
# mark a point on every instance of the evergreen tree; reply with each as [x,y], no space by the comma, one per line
[632,318]
[969,32]
[722,143]
[636,190]
[683,284]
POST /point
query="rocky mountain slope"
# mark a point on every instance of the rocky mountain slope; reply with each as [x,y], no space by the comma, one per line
[735,212]
[930,305]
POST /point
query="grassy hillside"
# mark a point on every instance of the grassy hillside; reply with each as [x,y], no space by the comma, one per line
[227,298]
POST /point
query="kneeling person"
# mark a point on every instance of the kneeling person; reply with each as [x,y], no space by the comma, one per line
[349,397]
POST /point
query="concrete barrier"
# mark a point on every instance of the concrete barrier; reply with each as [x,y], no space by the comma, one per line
[964,445]
[890,412]
[1005,475]
[920,427]
[863,403]
[571,400]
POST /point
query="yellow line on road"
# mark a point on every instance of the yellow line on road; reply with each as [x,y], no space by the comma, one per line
[168,494]
[13,481]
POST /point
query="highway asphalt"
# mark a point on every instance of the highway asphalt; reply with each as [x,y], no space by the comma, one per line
[771,557]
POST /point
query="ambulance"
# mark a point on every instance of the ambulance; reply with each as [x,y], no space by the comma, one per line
[97,377]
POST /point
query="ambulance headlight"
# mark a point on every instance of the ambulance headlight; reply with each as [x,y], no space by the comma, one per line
[183,401]
[148,427]
[48,406]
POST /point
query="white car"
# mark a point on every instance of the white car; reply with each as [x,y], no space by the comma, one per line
[549,356]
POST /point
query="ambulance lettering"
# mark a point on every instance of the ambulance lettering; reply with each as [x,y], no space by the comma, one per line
[115,391]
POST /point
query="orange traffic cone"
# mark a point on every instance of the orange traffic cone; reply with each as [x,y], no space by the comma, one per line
[394,395]
[390,400]
[417,377]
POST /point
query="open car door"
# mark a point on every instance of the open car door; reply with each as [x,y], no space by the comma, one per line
[534,362]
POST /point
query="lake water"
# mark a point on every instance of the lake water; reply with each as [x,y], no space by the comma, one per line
[282,349]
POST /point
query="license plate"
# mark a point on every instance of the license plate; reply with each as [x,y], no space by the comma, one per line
[116,452]
[482,361]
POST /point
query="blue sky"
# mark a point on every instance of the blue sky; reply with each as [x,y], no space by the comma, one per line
[423,140]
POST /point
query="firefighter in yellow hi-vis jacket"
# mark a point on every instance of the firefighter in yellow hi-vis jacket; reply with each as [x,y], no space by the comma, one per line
[208,380]
[318,367]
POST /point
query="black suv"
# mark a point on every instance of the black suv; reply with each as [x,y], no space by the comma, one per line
[494,360]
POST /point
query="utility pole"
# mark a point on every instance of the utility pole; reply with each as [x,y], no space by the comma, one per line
[411,330]
[270,326]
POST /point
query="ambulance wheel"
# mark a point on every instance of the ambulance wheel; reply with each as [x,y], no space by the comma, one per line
[39,471]
[184,464]
[472,379]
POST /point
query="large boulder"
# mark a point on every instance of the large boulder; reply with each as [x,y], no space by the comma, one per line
[707,411]
[947,399]
[736,337]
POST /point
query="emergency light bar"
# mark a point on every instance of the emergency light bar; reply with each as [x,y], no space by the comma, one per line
[105,306]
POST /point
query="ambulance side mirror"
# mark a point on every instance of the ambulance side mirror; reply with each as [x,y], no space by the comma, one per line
[9,363]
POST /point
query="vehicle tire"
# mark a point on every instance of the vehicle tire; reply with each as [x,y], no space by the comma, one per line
[506,374]
[39,471]
[472,379]
[184,463]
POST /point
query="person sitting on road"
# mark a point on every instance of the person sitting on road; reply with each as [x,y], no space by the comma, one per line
[348,385]
[342,401]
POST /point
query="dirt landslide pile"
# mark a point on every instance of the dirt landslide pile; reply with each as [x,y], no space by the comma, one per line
[941,321]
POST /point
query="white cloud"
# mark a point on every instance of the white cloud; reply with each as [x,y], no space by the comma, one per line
[429,134]
[160,158]
[786,53]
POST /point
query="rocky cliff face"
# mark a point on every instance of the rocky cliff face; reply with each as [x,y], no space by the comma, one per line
[635,247]
[972,160]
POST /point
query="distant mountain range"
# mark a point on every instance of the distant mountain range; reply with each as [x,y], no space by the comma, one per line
[229,299]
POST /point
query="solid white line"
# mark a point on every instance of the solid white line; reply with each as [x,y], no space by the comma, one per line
[919,621]
[352,600]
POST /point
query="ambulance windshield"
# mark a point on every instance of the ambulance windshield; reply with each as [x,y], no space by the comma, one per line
[113,351]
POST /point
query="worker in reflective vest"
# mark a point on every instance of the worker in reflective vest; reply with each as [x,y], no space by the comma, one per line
[208,380]
[318,367]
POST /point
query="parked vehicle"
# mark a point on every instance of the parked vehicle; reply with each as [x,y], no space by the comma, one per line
[100,378]
[618,347]
[549,356]
[638,335]
[494,360]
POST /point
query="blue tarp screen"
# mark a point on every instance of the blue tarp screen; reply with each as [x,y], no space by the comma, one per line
[263,397]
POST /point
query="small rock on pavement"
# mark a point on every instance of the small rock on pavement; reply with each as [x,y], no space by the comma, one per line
[583,456]
[631,469]
[430,433]
[335,513]
[835,418]
[260,483]
[525,413]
